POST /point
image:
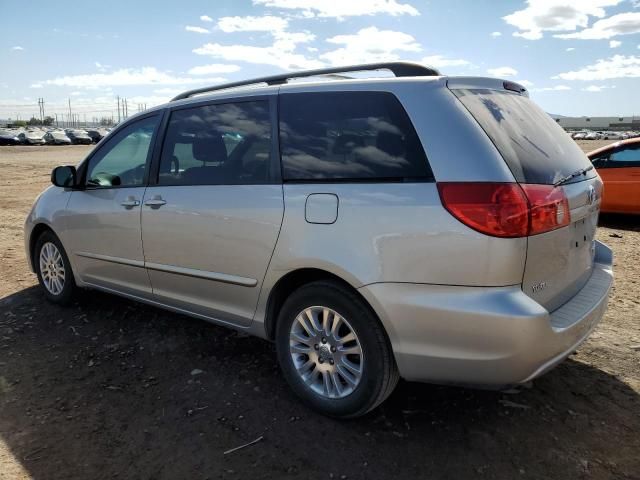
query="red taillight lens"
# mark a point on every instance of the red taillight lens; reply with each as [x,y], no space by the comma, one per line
[497,209]
[548,208]
[506,209]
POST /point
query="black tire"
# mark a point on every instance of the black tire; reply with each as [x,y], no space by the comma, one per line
[69,285]
[379,372]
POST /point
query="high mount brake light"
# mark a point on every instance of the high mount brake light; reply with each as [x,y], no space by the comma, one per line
[507,210]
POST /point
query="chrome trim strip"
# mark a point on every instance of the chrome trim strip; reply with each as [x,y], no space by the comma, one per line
[108,258]
[189,272]
[192,272]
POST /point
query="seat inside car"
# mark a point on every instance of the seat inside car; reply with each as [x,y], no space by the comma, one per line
[211,151]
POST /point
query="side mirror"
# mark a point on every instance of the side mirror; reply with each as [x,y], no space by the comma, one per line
[64,176]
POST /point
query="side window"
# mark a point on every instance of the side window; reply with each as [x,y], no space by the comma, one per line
[223,144]
[349,136]
[628,157]
[124,159]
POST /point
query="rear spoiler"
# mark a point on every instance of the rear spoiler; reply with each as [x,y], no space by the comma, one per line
[485,83]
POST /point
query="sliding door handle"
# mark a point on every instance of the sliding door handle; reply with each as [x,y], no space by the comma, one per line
[155,202]
[130,202]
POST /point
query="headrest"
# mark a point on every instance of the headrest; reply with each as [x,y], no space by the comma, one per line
[209,147]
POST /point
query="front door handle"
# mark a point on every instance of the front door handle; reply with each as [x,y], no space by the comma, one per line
[155,202]
[130,202]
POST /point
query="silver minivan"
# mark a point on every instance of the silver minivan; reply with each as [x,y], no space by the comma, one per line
[439,229]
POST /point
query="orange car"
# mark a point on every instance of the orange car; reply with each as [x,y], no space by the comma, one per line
[619,166]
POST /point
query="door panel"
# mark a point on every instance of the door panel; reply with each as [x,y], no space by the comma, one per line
[104,238]
[208,247]
[104,218]
[621,189]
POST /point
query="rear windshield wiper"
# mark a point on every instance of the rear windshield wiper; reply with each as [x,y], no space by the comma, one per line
[575,174]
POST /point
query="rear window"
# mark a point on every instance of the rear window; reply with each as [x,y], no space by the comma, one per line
[535,148]
[344,136]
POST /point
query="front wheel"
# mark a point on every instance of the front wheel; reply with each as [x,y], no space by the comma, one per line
[333,351]
[53,269]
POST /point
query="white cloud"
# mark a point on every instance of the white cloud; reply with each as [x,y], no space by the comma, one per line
[496,34]
[206,18]
[252,24]
[281,53]
[620,24]
[525,83]
[502,72]
[168,91]
[555,16]
[570,49]
[35,85]
[342,8]
[17,47]
[440,61]
[597,88]
[370,45]
[213,69]
[556,88]
[618,66]
[127,76]
[614,43]
[272,55]
[190,28]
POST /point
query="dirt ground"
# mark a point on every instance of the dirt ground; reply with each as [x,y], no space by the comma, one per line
[111,389]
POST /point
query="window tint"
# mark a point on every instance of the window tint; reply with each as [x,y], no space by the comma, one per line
[629,157]
[123,160]
[536,149]
[348,136]
[224,144]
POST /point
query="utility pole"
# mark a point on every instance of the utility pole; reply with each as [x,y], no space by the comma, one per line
[41,108]
[69,109]
[118,108]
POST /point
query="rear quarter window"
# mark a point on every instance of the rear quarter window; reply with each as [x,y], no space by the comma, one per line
[535,148]
[349,136]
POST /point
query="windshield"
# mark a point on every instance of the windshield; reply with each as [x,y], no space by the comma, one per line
[536,148]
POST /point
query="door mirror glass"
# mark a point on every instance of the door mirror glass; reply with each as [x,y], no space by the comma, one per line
[64,176]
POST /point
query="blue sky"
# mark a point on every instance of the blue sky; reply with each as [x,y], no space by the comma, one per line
[576,57]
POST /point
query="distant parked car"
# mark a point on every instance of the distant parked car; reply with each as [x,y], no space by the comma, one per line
[8,137]
[579,135]
[56,137]
[97,134]
[32,137]
[78,137]
[593,136]
[619,167]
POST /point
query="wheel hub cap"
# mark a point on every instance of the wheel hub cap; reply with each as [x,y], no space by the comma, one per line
[326,352]
[52,268]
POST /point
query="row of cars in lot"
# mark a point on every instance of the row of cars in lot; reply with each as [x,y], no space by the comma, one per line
[603,135]
[52,136]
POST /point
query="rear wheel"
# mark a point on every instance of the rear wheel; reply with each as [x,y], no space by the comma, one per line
[53,269]
[333,351]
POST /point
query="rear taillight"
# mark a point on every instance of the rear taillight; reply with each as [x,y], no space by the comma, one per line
[548,208]
[506,209]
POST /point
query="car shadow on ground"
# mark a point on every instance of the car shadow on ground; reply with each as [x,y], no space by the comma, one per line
[108,388]
[620,221]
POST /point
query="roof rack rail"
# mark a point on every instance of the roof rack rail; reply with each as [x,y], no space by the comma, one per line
[399,69]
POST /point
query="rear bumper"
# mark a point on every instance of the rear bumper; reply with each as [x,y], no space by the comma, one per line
[485,336]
